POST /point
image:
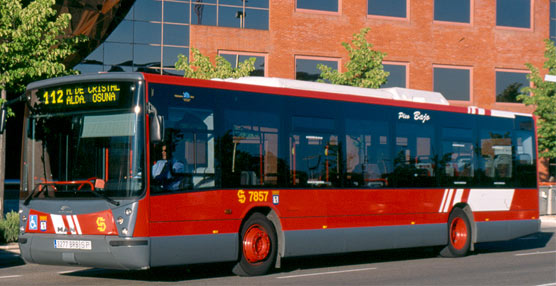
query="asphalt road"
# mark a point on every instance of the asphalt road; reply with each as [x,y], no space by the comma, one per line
[529,260]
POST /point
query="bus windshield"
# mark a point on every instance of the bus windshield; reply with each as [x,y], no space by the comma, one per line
[83,154]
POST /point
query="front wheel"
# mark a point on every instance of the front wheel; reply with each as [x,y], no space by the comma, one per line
[459,234]
[258,246]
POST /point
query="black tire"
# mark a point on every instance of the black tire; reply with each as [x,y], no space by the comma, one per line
[459,234]
[258,246]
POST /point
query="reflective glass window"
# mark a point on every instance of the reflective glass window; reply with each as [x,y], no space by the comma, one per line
[513,13]
[146,56]
[452,10]
[233,17]
[553,20]
[123,33]
[453,83]
[147,10]
[117,54]
[176,12]
[203,14]
[176,35]
[256,19]
[171,56]
[322,5]
[397,77]
[509,85]
[390,8]
[306,69]
[147,33]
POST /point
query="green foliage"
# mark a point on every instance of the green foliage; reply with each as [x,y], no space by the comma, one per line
[364,68]
[544,98]
[33,43]
[201,67]
[9,227]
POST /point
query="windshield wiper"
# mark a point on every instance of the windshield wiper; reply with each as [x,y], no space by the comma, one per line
[82,183]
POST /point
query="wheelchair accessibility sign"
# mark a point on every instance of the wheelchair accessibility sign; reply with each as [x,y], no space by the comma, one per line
[33,222]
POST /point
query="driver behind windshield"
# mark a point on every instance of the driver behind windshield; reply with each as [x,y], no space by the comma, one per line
[168,174]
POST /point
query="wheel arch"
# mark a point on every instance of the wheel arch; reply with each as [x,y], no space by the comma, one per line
[469,213]
[273,217]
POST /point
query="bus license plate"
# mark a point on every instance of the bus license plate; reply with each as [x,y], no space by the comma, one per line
[72,244]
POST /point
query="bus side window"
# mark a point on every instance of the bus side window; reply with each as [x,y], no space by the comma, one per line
[367,153]
[458,157]
[496,157]
[413,157]
[315,160]
[249,149]
[315,153]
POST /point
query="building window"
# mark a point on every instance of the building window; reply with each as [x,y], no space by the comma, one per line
[236,58]
[452,11]
[306,67]
[321,5]
[513,13]
[453,82]
[231,13]
[509,85]
[553,20]
[397,76]
[390,8]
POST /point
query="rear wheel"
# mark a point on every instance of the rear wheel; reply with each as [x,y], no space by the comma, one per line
[258,246]
[459,234]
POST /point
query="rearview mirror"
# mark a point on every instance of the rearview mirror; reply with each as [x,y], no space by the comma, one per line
[3,113]
[157,128]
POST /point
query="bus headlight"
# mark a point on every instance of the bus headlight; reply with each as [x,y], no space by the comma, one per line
[120,220]
[124,231]
[128,212]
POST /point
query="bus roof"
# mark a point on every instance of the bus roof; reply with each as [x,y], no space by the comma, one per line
[394,93]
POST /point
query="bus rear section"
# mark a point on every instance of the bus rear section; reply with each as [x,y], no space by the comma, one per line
[82,173]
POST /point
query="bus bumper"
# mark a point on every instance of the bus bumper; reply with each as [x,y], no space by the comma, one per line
[110,252]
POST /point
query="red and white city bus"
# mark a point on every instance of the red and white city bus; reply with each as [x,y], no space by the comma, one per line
[133,171]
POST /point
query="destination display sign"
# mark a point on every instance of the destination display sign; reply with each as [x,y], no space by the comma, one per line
[79,96]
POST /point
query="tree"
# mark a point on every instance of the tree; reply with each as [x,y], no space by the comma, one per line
[364,68]
[543,96]
[201,67]
[33,44]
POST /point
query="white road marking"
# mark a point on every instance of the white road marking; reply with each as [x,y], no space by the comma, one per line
[535,253]
[10,276]
[548,284]
[325,273]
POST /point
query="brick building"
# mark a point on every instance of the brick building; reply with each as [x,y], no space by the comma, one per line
[473,51]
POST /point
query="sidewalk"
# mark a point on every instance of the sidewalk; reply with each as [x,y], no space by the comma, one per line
[548,221]
[10,247]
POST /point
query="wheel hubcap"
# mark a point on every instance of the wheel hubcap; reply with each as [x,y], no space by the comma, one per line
[256,244]
[458,233]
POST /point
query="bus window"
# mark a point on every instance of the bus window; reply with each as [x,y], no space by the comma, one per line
[250,149]
[413,158]
[457,160]
[496,157]
[314,160]
[314,153]
[185,159]
[367,153]
[524,159]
